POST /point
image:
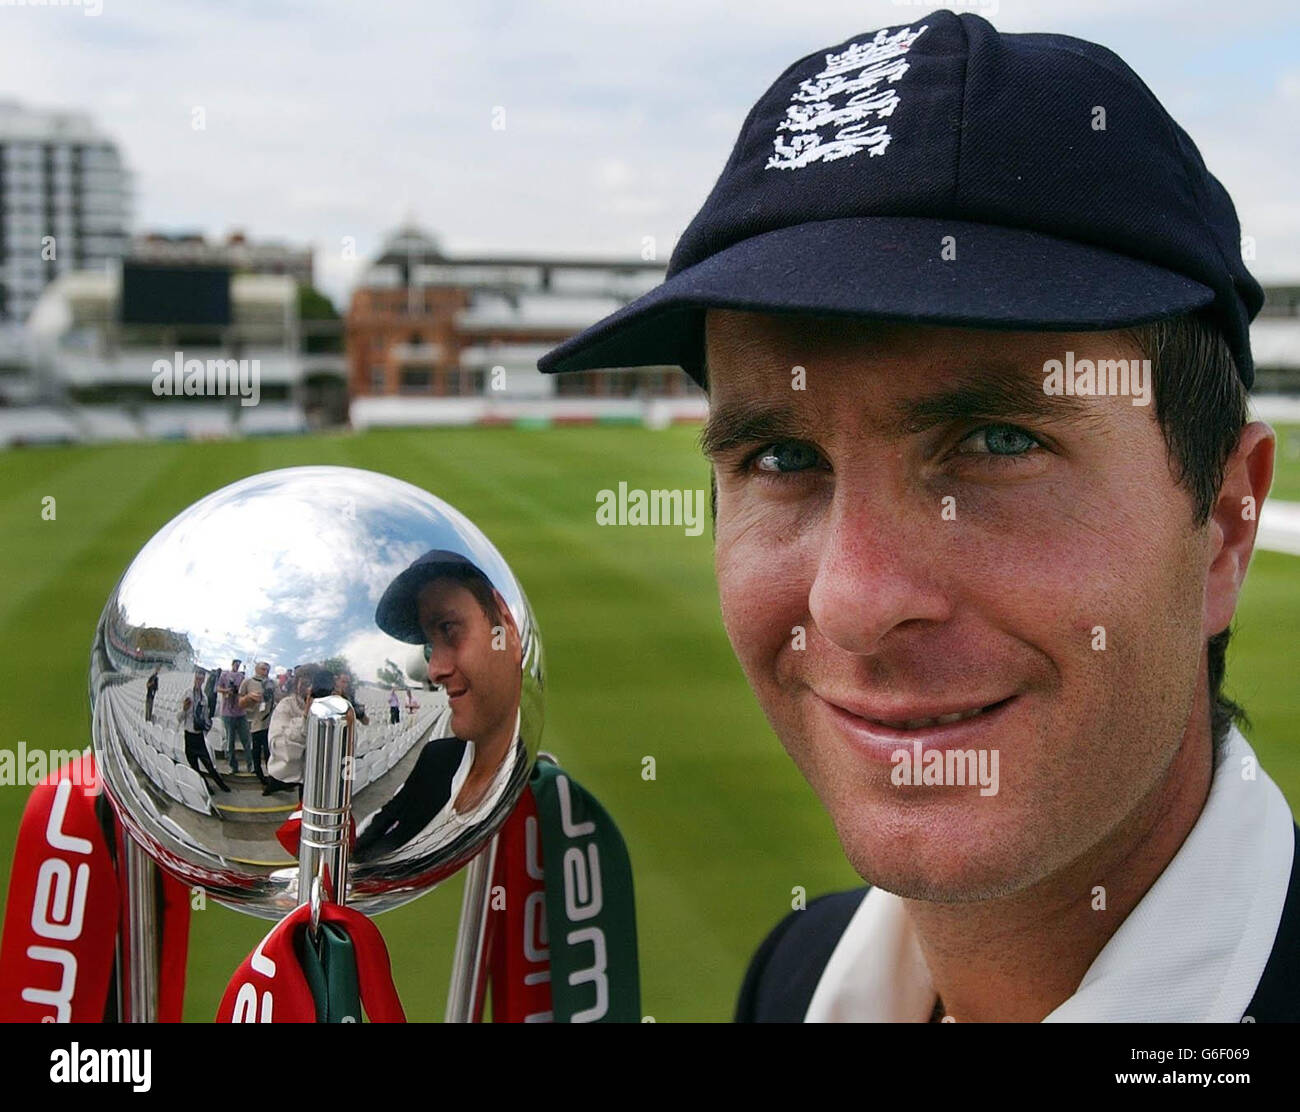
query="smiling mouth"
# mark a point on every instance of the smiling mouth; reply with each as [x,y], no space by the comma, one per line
[922,723]
[457,693]
[929,722]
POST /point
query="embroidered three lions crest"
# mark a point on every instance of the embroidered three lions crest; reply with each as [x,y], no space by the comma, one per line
[837,113]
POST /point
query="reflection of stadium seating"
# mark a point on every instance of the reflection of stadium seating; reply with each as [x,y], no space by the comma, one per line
[158,747]
[193,789]
[381,745]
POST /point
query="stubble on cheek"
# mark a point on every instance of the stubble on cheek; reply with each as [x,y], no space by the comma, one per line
[764,611]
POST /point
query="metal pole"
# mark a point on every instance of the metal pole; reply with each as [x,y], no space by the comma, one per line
[468,958]
[143,935]
[326,799]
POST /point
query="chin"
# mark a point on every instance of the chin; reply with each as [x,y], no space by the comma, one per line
[951,853]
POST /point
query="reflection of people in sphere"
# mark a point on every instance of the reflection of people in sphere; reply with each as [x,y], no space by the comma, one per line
[195,721]
[394,706]
[475,654]
[343,686]
[234,715]
[288,728]
[257,697]
[151,689]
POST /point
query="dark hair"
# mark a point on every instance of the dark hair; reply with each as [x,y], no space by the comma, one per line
[318,678]
[1201,407]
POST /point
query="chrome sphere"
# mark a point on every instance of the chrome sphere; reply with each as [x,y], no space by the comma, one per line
[320,582]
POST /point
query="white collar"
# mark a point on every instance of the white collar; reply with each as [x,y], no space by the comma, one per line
[1192,950]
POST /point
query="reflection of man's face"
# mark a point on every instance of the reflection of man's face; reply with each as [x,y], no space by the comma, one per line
[830,519]
[341,683]
[480,670]
[263,670]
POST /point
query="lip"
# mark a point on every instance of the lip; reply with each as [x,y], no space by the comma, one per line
[452,696]
[878,740]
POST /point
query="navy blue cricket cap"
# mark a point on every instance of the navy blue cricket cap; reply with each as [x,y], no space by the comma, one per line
[1073,200]
[397,613]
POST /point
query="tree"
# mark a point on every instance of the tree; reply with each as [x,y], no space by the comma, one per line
[391,675]
[313,309]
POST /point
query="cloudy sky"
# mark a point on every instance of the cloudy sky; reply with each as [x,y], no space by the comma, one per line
[330,119]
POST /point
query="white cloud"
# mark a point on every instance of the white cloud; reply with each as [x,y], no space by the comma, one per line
[336,119]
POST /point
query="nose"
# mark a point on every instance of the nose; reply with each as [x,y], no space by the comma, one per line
[877,568]
[442,663]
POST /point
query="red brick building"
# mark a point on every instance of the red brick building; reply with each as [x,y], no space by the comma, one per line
[424,324]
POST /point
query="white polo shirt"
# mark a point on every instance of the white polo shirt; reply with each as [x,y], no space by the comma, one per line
[1192,950]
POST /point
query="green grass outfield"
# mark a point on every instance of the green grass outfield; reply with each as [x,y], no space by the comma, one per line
[638,665]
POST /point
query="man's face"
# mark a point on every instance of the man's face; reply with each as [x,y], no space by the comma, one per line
[263,670]
[478,667]
[950,544]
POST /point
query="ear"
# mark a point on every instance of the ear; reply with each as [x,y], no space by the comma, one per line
[508,619]
[1234,521]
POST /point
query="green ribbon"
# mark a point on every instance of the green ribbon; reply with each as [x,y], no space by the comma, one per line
[330,966]
[590,908]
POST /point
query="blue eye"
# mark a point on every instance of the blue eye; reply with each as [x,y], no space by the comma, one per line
[1000,440]
[786,456]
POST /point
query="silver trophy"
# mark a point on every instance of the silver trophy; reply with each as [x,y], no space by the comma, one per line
[326,647]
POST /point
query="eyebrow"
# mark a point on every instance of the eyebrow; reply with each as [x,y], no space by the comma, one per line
[740,423]
[1002,392]
[446,611]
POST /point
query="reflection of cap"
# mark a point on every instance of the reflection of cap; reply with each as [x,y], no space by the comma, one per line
[396,613]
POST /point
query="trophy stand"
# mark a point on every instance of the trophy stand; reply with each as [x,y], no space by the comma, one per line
[326,804]
[137,976]
[468,963]
[322,872]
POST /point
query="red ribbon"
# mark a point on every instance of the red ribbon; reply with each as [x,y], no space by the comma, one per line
[269,986]
[519,961]
[65,906]
[60,927]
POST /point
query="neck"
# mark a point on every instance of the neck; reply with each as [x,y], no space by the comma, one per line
[488,755]
[1019,957]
